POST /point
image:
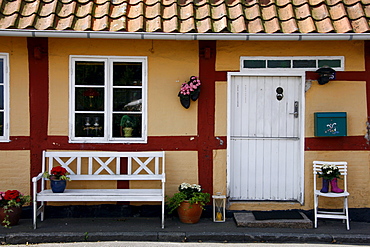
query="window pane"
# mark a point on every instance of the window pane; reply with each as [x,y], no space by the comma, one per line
[122,123]
[330,63]
[89,73]
[89,99]
[89,125]
[127,74]
[125,99]
[1,123]
[1,71]
[304,63]
[278,64]
[2,97]
[254,64]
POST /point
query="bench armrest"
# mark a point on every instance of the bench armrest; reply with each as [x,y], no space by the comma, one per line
[37,178]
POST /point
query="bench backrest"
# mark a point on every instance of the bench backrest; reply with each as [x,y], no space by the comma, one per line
[100,165]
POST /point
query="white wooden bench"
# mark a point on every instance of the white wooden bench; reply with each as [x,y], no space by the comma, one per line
[102,166]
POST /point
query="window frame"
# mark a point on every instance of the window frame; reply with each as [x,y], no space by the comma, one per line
[108,99]
[6,128]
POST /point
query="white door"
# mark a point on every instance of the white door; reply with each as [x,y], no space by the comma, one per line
[265,145]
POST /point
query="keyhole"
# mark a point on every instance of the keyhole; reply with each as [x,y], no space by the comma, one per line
[279,93]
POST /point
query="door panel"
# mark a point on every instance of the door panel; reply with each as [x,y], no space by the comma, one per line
[265,145]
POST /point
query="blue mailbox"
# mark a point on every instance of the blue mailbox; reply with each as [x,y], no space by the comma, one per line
[330,123]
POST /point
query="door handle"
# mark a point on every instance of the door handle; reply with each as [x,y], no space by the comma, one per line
[295,113]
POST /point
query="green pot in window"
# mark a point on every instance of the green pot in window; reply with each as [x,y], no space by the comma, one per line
[127,126]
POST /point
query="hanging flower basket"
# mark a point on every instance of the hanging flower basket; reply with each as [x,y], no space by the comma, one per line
[189,90]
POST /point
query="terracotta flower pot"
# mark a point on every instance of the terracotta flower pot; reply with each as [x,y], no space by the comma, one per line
[13,216]
[189,213]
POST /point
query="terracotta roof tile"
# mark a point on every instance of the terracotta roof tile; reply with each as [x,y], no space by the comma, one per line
[217,16]
[24,22]
[101,10]
[10,7]
[303,11]
[360,25]
[321,12]
[235,11]
[154,25]
[286,13]
[272,26]
[84,9]
[83,24]
[255,26]
[324,26]
[367,10]
[29,8]
[355,11]
[289,26]
[342,25]
[238,25]
[203,12]
[170,25]
[118,11]
[136,24]
[204,25]
[64,23]
[337,11]
[306,25]
[269,12]
[252,12]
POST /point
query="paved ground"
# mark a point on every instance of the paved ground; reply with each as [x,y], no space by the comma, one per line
[57,230]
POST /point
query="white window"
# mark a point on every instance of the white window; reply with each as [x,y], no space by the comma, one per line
[4,97]
[288,63]
[108,99]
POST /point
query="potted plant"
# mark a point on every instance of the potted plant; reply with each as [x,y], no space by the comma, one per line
[189,202]
[58,179]
[329,174]
[189,90]
[127,124]
[11,202]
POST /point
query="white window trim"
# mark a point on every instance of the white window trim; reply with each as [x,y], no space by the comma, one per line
[108,103]
[6,128]
[341,58]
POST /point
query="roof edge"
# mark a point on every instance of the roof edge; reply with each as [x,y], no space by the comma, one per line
[184,36]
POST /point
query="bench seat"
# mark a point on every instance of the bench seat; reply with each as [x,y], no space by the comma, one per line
[86,195]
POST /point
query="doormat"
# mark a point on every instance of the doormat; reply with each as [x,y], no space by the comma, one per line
[277,215]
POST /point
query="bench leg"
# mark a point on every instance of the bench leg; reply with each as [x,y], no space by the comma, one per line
[42,211]
[162,214]
[34,213]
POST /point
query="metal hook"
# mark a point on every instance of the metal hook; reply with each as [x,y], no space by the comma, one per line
[221,141]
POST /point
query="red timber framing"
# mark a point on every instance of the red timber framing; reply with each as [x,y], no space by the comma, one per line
[204,143]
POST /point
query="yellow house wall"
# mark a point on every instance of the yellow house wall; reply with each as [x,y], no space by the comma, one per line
[170,63]
[15,171]
[346,96]
[19,84]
